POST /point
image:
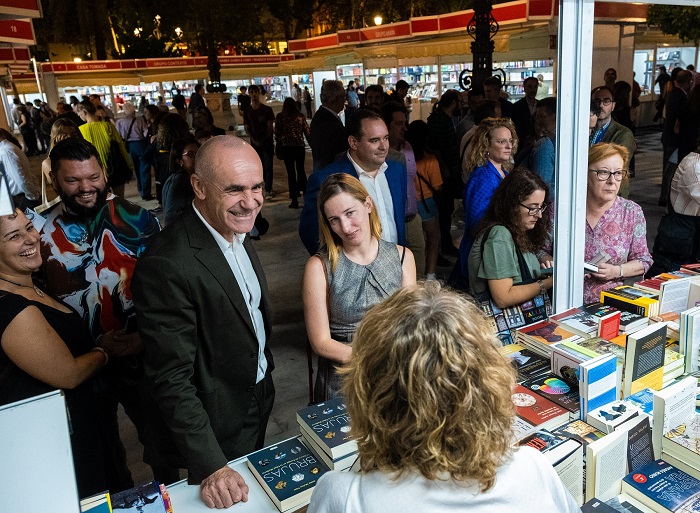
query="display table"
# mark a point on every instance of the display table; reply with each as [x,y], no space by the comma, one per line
[185,498]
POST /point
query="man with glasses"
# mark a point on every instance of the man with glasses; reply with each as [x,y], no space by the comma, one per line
[204,316]
[609,130]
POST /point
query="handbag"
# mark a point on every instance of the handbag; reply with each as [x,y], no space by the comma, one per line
[118,169]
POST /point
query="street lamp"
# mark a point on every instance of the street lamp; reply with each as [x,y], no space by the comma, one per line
[178,31]
[378,20]
[137,31]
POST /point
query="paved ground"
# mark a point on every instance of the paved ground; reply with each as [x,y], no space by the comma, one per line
[283,258]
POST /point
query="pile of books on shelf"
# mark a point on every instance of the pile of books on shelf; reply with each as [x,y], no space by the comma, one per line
[289,470]
[609,391]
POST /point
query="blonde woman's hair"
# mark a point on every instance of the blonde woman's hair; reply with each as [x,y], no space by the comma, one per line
[603,150]
[428,390]
[478,154]
[336,184]
[62,129]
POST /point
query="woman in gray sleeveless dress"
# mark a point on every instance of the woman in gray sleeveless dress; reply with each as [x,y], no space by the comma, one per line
[353,271]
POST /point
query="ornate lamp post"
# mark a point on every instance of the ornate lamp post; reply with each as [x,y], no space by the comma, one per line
[481,28]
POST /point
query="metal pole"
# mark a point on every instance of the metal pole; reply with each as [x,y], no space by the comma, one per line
[38,82]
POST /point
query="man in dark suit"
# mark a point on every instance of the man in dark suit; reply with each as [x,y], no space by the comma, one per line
[524,110]
[366,160]
[328,135]
[203,312]
[492,91]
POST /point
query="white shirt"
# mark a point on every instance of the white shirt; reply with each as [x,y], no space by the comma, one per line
[378,188]
[239,262]
[525,484]
[20,178]
[685,186]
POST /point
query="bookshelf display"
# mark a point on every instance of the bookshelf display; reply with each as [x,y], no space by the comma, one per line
[517,71]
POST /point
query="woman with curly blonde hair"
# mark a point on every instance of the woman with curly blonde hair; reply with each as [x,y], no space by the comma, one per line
[489,159]
[429,395]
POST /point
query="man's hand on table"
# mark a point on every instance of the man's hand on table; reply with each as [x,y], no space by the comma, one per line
[223,489]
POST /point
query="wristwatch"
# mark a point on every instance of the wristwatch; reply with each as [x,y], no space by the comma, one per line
[542,289]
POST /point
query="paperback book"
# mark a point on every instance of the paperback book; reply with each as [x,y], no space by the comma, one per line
[644,359]
[328,425]
[145,498]
[556,390]
[663,487]
[535,412]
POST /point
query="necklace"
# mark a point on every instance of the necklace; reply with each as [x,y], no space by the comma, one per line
[36,289]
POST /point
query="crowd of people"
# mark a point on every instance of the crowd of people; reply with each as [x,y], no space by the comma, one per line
[174,322]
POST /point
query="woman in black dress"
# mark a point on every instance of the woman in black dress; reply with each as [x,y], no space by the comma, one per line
[44,345]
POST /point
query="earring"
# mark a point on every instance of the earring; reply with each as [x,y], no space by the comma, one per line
[488,154]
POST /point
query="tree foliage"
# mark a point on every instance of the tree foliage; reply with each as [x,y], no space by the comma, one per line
[676,20]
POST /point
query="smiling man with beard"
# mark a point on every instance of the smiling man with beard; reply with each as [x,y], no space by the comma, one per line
[89,246]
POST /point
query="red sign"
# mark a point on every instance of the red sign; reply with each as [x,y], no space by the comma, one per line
[296,45]
[391,31]
[170,63]
[510,12]
[425,25]
[20,8]
[620,11]
[316,43]
[17,31]
[349,36]
[11,55]
[541,8]
[92,66]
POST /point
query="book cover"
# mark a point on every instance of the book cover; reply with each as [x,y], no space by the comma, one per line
[547,333]
[556,390]
[534,408]
[608,319]
[528,364]
[599,382]
[99,503]
[579,430]
[687,435]
[673,406]
[608,417]
[602,346]
[140,499]
[287,471]
[576,319]
[659,483]
[565,364]
[644,359]
[328,423]
[644,400]
[630,299]
[639,446]
[629,321]
[597,506]
[543,440]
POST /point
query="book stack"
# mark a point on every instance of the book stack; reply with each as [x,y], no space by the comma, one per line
[564,454]
[644,359]
[609,417]
[673,289]
[673,406]
[325,429]
[556,390]
[587,349]
[682,445]
[542,336]
[595,319]
[597,383]
[663,488]
[631,322]
[644,400]
[287,472]
[535,412]
[527,363]
[689,341]
[631,299]
[674,366]
[504,321]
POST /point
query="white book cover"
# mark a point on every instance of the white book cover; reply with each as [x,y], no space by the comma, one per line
[674,295]
[673,406]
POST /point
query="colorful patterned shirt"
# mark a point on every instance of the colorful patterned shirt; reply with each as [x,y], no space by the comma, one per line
[89,263]
[622,234]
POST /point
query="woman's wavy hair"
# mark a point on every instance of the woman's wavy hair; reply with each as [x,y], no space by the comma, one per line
[478,154]
[62,129]
[175,157]
[428,390]
[603,150]
[505,209]
[171,127]
[334,185]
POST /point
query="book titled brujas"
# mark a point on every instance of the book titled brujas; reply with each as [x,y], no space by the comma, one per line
[287,472]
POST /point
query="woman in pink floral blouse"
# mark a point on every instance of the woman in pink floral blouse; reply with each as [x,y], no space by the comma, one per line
[613,224]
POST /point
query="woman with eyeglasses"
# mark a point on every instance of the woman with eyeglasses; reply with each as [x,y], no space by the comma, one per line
[177,190]
[489,159]
[503,264]
[613,224]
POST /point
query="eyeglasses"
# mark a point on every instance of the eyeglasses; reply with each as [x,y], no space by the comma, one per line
[604,175]
[533,211]
[604,101]
[189,153]
[502,142]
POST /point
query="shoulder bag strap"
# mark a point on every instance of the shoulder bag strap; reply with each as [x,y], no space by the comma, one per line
[403,254]
[525,273]
[128,134]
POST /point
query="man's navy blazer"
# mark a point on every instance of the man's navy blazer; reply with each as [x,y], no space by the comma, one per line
[308,223]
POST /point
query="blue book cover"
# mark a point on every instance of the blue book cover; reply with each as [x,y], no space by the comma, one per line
[287,471]
[601,388]
[644,400]
[328,423]
[665,485]
[145,498]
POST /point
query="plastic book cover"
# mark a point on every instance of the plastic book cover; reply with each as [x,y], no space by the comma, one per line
[286,469]
[556,390]
[665,485]
[577,319]
[141,499]
[529,364]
